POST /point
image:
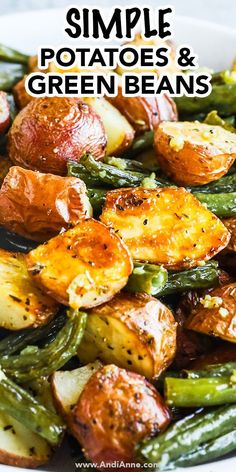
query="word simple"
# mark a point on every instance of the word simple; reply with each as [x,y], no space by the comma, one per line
[120,23]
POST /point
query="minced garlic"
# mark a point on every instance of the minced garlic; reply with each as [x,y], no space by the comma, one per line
[211,302]
[149,182]
[177,143]
[201,263]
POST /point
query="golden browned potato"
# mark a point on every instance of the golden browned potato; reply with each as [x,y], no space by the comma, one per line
[4,113]
[83,267]
[20,447]
[38,206]
[23,304]
[119,132]
[134,331]
[215,314]
[5,165]
[166,226]
[50,131]
[116,410]
[145,113]
[67,386]
[230,224]
[21,97]
[193,153]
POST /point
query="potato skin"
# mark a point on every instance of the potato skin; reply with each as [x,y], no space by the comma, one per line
[145,113]
[37,206]
[5,165]
[230,224]
[213,321]
[4,113]
[172,235]
[91,252]
[119,132]
[197,160]
[23,304]
[148,334]
[126,410]
[50,131]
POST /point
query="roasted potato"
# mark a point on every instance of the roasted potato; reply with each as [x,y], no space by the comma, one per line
[160,226]
[215,314]
[115,411]
[155,42]
[145,113]
[119,132]
[193,153]
[5,165]
[134,331]
[51,130]
[67,386]
[21,97]
[22,303]
[83,267]
[230,224]
[227,257]
[4,113]
[38,206]
[20,447]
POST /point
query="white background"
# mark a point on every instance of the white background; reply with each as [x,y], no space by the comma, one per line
[219,11]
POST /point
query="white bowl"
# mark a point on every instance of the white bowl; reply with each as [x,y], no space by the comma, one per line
[215,46]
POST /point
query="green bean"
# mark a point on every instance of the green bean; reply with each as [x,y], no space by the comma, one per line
[34,362]
[9,77]
[11,55]
[222,204]
[19,404]
[199,277]
[13,107]
[186,435]
[140,144]
[208,451]
[199,392]
[127,164]
[226,184]
[76,169]
[97,198]
[15,342]
[214,119]
[214,370]
[148,278]
[117,178]
[222,98]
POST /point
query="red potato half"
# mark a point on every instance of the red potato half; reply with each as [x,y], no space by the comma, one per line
[134,331]
[4,113]
[119,132]
[193,153]
[50,131]
[145,113]
[161,226]
[37,206]
[20,447]
[82,267]
[116,410]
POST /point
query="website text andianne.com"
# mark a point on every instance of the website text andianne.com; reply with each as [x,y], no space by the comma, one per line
[114,465]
